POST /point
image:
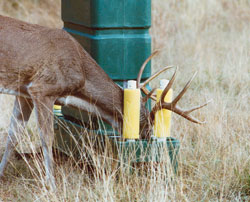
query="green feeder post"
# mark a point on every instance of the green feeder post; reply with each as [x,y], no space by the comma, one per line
[116,35]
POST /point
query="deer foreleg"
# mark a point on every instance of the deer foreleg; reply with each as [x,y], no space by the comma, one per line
[21,113]
[44,108]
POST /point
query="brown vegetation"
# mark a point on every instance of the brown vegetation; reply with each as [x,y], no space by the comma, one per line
[209,36]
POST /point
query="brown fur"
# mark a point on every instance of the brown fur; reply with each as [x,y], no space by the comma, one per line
[44,65]
[54,62]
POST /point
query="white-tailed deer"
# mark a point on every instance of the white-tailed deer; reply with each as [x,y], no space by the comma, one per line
[43,66]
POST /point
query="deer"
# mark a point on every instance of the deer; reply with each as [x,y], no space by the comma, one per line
[43,66]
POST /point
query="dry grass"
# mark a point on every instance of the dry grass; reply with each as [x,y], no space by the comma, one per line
[211,37]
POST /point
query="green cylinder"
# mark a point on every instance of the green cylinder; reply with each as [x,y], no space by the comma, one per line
[114,32]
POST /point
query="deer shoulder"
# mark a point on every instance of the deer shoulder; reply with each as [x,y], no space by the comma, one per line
[40,58]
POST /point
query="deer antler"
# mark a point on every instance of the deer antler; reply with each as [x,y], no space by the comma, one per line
[142,86]
[172,106]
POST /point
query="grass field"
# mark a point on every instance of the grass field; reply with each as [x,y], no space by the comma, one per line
[211,37]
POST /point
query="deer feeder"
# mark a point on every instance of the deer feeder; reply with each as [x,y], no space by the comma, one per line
[116,34]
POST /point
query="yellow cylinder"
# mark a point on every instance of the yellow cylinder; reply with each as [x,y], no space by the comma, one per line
[57,107]
[131,116]
[162,124]
[57,110]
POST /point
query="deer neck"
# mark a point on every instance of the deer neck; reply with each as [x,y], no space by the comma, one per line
[101,96]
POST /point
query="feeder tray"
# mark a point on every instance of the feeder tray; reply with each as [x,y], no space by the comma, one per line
[71,137]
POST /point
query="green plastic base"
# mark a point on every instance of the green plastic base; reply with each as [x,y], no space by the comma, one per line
[147,151]
[70,139]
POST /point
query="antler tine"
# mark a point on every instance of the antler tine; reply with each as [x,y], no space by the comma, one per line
[143,88]
[156,74]
[198,107]
[149,95]
[143,67]
[165,91]
[146,92]
[177,110]
[186,115]
[183,91]
[172,105]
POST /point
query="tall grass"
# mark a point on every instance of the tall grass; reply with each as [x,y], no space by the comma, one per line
[211,37]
